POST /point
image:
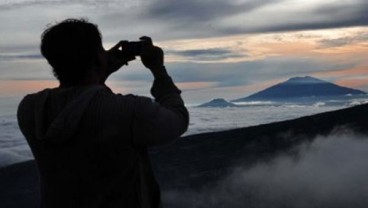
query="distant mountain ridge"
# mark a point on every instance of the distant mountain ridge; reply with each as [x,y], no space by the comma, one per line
[301,87]
[218,102]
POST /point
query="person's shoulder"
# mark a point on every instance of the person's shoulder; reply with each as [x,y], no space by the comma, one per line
[29,98]
[27,104]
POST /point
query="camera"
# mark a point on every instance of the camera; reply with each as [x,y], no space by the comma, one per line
[131,48]
[128,50]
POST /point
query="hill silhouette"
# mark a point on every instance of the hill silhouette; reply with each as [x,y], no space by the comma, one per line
[301,87]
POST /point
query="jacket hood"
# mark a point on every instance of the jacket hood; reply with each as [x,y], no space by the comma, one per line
[58,112]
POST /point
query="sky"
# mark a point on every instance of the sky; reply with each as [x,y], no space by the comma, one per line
[213,48]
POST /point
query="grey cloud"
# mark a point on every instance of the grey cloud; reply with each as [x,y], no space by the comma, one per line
[238,74]
[11,48]
[347,14]
[201,17]
[19,4]
[353,11]
[344,40]
[166,19]
[196,18]
[26,3]
[357,20]
[31,69]
[201,10]
[327,43]
[251,72]
[17,57]
[329,172]
[207,54]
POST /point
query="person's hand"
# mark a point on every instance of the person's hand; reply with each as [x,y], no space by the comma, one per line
[114,58]
[152,56]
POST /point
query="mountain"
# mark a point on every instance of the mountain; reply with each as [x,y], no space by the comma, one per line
[301,87]
[218,102]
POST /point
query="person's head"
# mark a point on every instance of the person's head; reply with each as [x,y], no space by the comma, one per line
[72,48]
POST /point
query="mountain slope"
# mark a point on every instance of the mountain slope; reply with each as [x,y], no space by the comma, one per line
[301,87]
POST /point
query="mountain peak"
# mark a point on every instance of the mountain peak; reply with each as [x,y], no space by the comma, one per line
[304,80]
[217,102]
[301,87]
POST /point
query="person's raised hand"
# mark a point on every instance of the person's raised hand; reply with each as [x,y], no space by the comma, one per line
[152,56]
[114,57]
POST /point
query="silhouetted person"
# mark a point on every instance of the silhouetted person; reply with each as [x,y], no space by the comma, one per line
[89,143]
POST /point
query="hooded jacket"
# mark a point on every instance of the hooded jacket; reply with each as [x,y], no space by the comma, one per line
[90,144]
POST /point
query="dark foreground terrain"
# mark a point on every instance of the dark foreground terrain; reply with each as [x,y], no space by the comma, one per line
[198,162]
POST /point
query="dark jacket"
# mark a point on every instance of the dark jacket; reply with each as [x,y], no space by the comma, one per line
[90,144]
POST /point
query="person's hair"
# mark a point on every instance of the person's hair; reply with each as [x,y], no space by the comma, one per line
[71,48]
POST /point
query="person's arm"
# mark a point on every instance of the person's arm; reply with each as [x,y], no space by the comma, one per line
[165,119]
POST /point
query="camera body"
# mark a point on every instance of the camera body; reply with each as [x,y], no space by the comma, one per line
[131,48]
[128,50]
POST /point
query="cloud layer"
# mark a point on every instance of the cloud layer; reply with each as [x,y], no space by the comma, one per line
[330,172]
[216,18]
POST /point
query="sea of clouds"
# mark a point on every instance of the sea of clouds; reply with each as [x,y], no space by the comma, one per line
[14,148]
[218,119]
[328,172]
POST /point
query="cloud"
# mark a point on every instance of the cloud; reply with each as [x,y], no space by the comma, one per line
[196,18]
[168,19]
[17,57]
[343,41]
[299,16]
[206,54]
[16,4]
[329,172]
[214,18]
[250,72]
[25,69]
[197,11]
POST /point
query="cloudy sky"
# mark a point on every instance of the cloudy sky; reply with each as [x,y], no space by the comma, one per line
[214,48]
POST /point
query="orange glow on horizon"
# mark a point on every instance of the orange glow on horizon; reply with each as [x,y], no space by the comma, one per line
[23,87]
[363,71]
[353,82]
[325,44]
